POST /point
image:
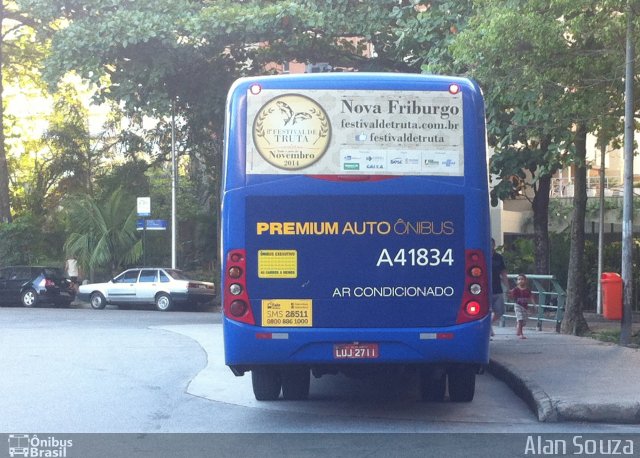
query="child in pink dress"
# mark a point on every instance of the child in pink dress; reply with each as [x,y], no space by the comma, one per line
[522,296]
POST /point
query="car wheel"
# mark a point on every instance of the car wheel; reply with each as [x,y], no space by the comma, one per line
[163,302]
[97,301]
[266,383]
[29,298]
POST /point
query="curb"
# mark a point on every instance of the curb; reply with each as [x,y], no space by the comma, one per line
[552,410]
[619,413]
[529,391]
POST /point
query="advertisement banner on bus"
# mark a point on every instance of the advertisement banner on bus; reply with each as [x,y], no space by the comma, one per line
[357,256]
[355,132]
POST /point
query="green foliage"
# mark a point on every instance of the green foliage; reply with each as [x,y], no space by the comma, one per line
[559,256]
[539,82]
[151,55]
[31,241]
[17,241]
[57,164]
[551,73]
[68,143]
[613,336]
[103,236]
[20,62]
[425,32]
[128,177]
[544,67]
[22,53]
[138,53]
[46,168]
[519,256]
[196,224]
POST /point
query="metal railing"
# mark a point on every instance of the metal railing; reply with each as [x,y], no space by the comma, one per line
[550,300]
[564,187]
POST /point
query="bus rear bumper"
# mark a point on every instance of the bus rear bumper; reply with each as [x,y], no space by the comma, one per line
[251,346]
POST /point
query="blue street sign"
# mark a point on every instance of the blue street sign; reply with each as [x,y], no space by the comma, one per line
[152,225]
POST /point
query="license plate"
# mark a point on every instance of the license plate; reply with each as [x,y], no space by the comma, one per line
[356,351]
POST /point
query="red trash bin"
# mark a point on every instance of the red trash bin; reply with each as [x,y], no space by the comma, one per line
[611,295]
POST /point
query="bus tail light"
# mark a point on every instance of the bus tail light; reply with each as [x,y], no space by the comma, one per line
[235,298]
[475,299]
[238,308]
[472,308]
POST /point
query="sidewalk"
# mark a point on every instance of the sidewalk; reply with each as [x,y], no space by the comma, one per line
[568,378]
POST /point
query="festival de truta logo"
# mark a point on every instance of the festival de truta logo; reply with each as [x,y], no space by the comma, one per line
[291,132]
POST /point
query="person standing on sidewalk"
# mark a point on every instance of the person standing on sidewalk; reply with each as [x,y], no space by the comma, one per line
[71,267]
[499,284]
[522,296]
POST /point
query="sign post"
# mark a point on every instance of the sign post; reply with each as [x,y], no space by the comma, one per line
[144,225]
[144,210]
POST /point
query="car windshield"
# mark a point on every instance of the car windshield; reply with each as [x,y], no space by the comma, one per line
[176,274]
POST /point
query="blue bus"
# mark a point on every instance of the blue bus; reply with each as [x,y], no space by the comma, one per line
[355,231]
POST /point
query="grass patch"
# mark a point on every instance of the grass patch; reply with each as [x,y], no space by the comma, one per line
[613,336]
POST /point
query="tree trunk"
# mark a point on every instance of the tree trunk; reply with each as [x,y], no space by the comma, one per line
[540,207]
[573,321]
[5,207]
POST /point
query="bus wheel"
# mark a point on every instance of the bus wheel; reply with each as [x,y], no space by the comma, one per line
[433,385]
[266,383]
[295,383]
[462,383]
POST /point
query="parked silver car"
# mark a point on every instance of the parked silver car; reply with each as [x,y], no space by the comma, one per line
[161,287]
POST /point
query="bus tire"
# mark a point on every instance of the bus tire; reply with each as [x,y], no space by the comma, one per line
[462,383]
[433,385]
[266,383]
[295,383]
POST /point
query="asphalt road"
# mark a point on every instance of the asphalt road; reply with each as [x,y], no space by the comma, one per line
[70,371]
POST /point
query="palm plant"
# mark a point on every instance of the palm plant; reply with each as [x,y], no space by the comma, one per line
[104,235]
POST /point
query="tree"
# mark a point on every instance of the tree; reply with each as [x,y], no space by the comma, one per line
[423,33]
[5,206]
[58,163]
[67,139]
[573,321]
[546,88]
[525,123]
[152,56]
[29,240]
[18,56]
[103,236]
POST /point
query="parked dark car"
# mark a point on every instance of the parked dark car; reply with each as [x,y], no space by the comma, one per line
[31,285]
